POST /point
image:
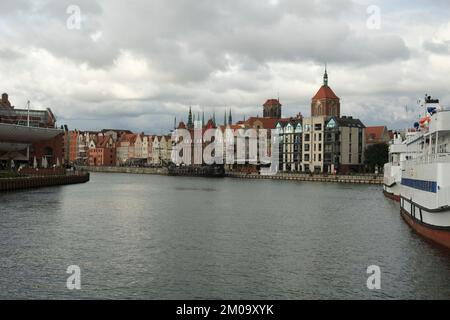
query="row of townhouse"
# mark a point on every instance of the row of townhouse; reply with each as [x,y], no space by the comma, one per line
[118,148]
[325,142]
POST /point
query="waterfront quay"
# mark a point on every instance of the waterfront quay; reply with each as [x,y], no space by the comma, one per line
[355,179]
[45,178]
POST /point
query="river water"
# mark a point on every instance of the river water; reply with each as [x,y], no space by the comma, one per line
[157,237]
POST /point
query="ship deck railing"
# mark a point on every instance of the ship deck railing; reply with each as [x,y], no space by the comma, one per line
[426,159]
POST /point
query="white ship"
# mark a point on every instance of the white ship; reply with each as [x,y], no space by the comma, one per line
[425,179]
[398,154]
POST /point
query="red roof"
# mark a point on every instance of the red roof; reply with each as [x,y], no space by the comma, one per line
[233,127]
[375,133]
[128,137]
[325,92]
[272,102]
[103,141]
[267,123]
[210,124]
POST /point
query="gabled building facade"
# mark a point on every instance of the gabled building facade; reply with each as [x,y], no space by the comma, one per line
[102,151]
[290,144]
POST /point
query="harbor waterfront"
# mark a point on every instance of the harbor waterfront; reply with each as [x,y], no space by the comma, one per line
[162,237]
[358,178]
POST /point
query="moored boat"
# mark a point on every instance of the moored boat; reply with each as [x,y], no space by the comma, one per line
[398,153]
[210,171]
[425,181]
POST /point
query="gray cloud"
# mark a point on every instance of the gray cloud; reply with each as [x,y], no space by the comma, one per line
[437,47]
[137,61]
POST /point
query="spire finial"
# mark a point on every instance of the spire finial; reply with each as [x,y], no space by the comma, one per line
[325,76]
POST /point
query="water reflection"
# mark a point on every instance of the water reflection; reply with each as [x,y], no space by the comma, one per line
[161,237]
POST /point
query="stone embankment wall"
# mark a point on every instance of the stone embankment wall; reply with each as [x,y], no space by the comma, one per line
[20,183]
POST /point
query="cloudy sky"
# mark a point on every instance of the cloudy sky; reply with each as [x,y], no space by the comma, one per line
[137,64]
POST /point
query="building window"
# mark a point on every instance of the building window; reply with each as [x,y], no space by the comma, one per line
[318,127]
[320,147]
[307,137]
[320,157]
[307,157]
[306,147]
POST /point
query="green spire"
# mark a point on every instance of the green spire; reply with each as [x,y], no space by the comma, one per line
[190,124]
[325,77]
[230,118]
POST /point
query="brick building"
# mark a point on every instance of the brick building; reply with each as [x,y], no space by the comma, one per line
[102,152]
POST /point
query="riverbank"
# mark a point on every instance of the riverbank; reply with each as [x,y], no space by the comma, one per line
[36,181]
[130,170]
[355,179]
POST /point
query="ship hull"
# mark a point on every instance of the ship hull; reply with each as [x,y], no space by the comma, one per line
[392,196]
[435,234]
[392,179]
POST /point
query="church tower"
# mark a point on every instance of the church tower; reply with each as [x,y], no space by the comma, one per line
[325,102]
[272,109]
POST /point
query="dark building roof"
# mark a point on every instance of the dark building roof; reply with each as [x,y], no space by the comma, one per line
[346,121]
[350,122]
[293,121]
[116,131]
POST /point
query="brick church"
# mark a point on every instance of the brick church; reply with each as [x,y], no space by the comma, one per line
[325,102]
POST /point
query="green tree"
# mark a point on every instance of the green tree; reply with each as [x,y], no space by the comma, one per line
[376,155]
